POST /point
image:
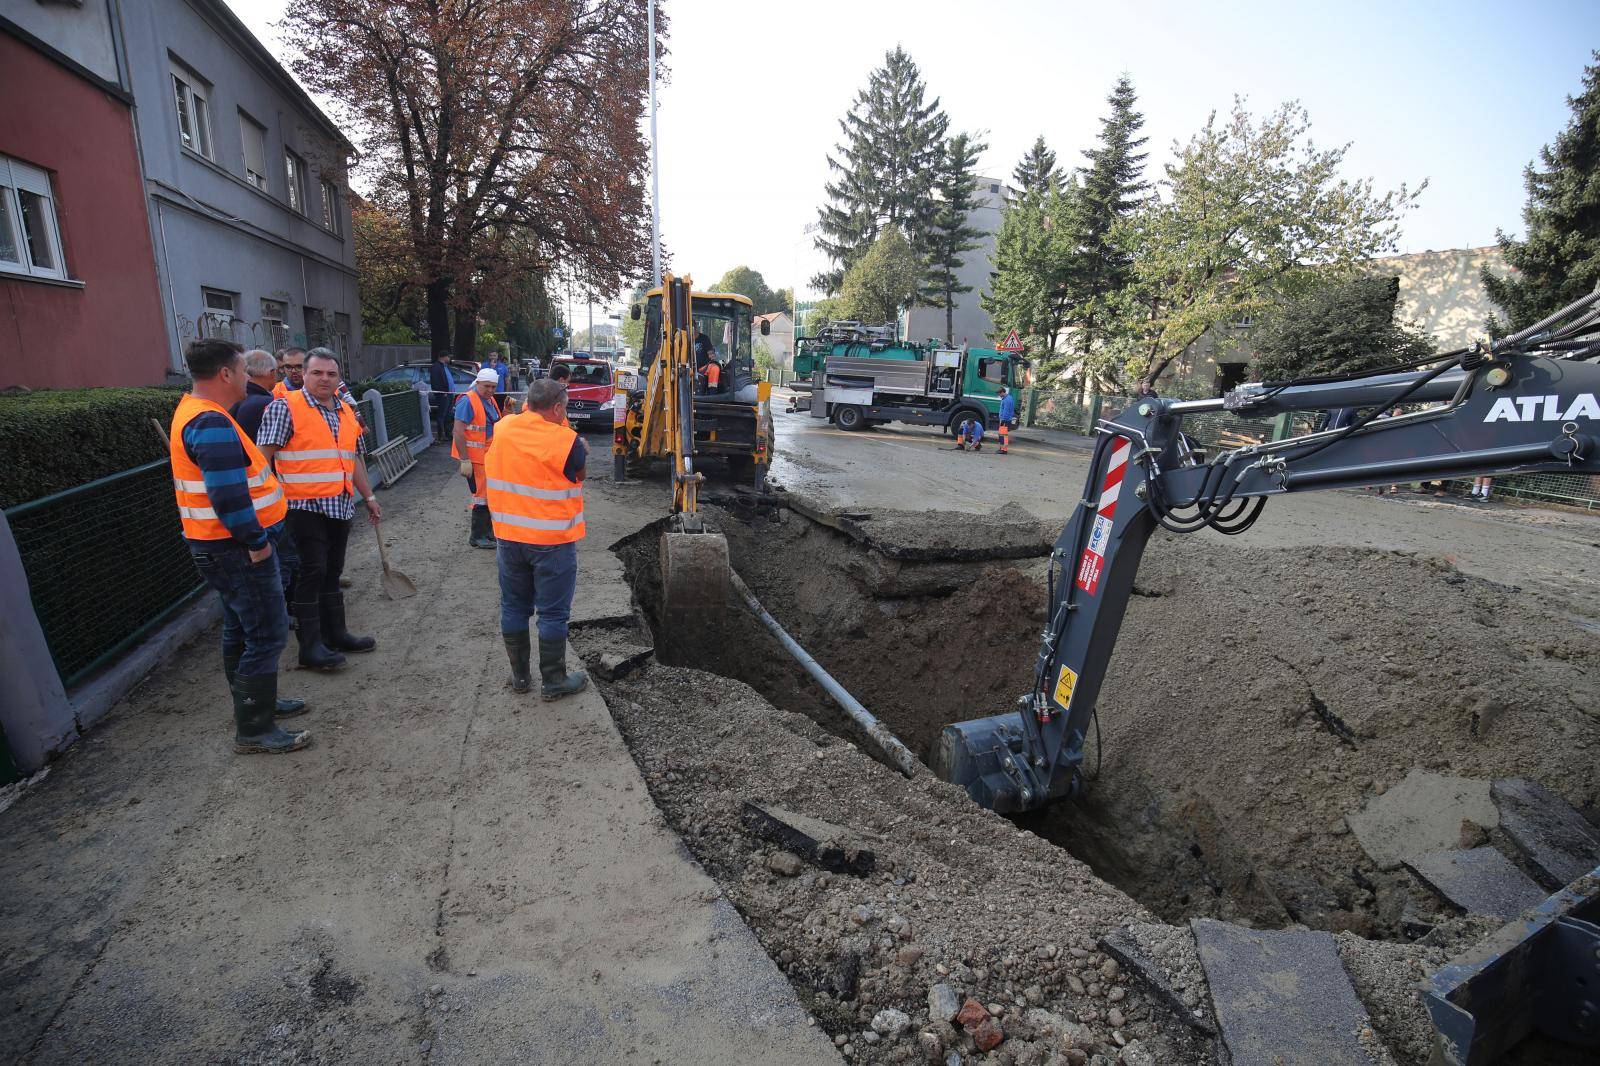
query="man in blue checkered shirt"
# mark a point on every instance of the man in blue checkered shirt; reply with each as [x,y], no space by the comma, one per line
[320,523]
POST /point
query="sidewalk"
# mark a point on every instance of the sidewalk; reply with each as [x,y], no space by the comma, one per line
[453,874]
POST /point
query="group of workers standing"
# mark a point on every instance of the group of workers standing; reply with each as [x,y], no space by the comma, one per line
[268,471]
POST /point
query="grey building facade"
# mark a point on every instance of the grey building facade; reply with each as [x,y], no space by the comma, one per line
[246,183]
[973,326]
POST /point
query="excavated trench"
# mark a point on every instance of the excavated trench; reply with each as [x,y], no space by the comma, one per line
[1239,723]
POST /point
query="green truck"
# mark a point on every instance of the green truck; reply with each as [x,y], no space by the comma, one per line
[861,376]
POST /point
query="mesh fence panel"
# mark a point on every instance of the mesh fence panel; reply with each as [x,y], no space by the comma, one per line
[105,562]
[369,435]
[402,414]
[1572,490]
[1058,410]
[1220,429]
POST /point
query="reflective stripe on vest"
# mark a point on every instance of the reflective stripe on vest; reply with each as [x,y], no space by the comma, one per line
[530,499]
[312,465]
[476,435]
[195,513]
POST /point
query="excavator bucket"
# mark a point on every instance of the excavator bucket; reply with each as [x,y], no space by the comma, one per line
[694,571]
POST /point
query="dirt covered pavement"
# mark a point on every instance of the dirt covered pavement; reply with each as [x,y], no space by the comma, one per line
[1257,697]
[452,874]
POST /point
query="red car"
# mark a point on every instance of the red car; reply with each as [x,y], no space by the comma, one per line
[590,393]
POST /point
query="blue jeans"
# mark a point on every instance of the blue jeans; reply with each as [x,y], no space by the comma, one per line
[254,619]
[538,577]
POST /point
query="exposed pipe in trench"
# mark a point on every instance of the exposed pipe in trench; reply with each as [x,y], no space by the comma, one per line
[888,745]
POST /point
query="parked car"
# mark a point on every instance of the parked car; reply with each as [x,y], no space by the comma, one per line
[462,371]
[590,392]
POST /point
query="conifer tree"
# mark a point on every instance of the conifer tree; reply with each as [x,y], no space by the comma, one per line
[1111,187]
[1559,259]
[885,168]
[950,236]
[1037,173]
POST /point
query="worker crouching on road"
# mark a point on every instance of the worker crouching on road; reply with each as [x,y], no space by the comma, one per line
[1008,418]
[477,413]
[313,440]
[232,510]
[535,471]
[969,436]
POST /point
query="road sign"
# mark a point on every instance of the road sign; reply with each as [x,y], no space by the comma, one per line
[1012,343]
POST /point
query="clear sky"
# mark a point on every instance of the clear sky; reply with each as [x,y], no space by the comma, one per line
[1459,92]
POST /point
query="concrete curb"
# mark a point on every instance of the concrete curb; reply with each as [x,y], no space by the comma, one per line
[94,698]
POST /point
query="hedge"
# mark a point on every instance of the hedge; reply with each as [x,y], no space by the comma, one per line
[359,388]
[59,439]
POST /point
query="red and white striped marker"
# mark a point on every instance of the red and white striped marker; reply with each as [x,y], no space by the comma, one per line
[1093,562]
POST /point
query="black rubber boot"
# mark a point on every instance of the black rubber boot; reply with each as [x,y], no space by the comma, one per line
[334,633]
[553,671]
[254,731]
[286,707]
[314,655]
[519,649]
[482,535]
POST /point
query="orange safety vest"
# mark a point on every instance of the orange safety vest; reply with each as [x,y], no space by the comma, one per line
[282,389]
[477,433]
[312,465]
[199,519]
[530,499]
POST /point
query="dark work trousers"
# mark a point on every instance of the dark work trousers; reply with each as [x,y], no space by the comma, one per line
[536,578]
[255,625]
[320,541]
[444,420]
[288,561]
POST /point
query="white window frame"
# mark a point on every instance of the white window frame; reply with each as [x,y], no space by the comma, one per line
[190,95]
[17,177]
[330,205]
[275,319]
[251,131]
[295,171]
[218,321]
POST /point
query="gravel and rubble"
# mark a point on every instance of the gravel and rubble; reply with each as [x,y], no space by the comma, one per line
[971,937]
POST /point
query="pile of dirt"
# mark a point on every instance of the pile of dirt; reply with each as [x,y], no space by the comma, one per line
[1256,697]
[962,912]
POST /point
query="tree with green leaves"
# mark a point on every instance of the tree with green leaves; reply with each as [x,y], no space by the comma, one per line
[884,169]
[1033,251]
[881,282]
[1342,326]
[1558,261]
[1254,214]
[747,282]
[1111,187]
[1037,173]
[951,236]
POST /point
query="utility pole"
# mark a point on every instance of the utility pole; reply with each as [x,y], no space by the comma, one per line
[655,158]
[591,323]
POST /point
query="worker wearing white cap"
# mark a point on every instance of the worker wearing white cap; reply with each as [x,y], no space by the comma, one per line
[476,414]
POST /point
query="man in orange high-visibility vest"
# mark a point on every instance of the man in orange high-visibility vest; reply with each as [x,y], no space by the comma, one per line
[535,470]
[232,510]
[291,371]
[476,415]
[314,442]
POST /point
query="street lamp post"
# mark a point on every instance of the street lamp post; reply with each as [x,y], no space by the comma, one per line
[655,159]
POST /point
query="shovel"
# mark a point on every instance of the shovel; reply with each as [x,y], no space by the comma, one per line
[396,586]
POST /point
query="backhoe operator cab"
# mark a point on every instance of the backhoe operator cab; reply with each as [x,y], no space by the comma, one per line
[732,420]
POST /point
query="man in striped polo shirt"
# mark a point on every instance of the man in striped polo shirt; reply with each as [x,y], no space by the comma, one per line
[232,510]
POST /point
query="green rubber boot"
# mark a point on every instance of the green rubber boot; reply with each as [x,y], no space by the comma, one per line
[254,730]
[553,671]
[482,535]
[519,649]
[285,707]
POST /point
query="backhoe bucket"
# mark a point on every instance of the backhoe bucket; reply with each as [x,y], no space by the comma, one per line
[985,757]
[694,571]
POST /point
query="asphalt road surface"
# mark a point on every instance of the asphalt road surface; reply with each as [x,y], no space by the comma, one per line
[911,468]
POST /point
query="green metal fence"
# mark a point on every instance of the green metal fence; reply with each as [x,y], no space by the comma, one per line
[402,414]
[106,563]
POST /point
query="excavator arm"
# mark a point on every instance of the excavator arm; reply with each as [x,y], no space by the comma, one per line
[1529,403]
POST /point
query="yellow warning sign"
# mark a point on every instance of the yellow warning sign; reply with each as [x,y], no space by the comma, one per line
[1065,683]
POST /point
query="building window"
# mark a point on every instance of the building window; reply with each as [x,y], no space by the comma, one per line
[330,205]
[295,168]
[275,324]
[194,114]
[254,136]
[341,334]
[221,307]
[316,328]
[30,238]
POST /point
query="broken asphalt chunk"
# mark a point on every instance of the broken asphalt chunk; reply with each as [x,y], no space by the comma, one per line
[1557,842]
[821,843]
[1479,881]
